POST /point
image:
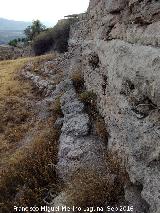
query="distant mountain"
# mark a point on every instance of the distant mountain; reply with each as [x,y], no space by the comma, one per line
[8,35]
[6,24]
[10,29]
[1,42]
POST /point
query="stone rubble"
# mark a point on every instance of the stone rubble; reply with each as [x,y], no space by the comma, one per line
[44,86]
[78,148]
[116,45]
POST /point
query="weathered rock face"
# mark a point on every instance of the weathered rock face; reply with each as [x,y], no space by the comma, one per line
[113,6]
[116,43]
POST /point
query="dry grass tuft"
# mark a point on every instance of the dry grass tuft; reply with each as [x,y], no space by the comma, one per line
[89,98]
[10,85]
[88,189]
[78,81]
[43,58]
[39,60]
[117,167]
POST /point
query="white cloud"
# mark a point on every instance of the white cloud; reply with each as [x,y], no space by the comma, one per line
[45,10]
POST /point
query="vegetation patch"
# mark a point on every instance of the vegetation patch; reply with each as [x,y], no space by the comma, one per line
[55,39]
[87,188]
[56,107]
[87,182]
[78,81]
[30,173]
[88,97]
[27,169]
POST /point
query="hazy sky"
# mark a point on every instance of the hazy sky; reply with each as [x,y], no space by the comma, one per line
[45,10]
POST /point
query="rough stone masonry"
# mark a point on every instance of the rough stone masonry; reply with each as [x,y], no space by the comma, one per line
[117,46]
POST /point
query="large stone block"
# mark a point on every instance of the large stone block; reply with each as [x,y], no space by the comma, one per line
[115,5]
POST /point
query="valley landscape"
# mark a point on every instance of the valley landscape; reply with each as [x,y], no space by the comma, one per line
[10,30]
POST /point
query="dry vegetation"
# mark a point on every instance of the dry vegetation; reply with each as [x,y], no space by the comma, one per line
[89,189]
[89,98]
[26,169]
[14,107]
[78,81]
[30,174]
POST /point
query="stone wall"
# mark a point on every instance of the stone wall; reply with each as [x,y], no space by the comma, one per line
[116,45]
[10,53]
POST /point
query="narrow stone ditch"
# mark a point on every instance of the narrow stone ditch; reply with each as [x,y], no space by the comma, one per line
[82,154]
[81,150]
[88,174]
[78,148]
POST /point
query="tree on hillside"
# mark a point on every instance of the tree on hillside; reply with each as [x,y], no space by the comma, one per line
[13,42]
[55,39]
[16,42]
[35,29]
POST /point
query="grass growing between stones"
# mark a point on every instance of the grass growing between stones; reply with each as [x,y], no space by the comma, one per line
[98,125]
[78,81]
[86,187]
[100,128]
[89,98]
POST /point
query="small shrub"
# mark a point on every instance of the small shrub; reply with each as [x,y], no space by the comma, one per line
[42,43]
[78,81]
[55,38]
[13,42]
[88,97]
[87,188]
